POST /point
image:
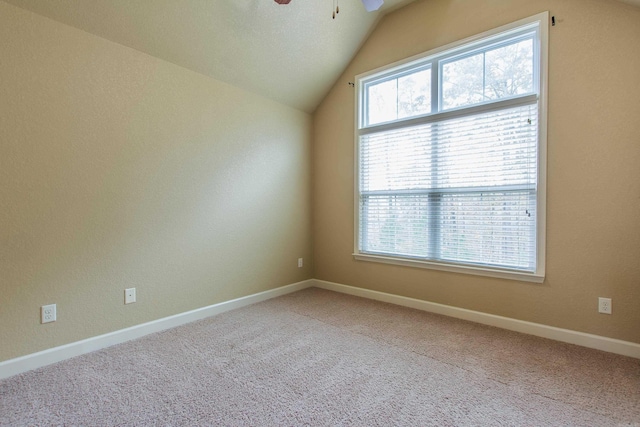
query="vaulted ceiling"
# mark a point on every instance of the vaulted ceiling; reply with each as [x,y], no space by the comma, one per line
[290,53]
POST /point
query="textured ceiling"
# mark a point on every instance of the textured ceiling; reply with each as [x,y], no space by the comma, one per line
[290,53]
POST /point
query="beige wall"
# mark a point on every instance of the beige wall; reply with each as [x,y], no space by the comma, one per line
[121,170]
[593,214]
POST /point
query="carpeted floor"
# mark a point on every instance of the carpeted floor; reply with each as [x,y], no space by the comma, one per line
[320,358]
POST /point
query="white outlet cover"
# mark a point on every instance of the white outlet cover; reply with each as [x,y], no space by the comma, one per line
[48,313]
[300,262]
[130,295]
[604,305]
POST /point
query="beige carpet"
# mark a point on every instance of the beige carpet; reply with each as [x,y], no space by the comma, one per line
[320,358]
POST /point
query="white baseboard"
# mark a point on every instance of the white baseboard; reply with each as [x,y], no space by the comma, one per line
[18,365]
[611,345]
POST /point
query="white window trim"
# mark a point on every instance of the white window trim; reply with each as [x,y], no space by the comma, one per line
[539,275]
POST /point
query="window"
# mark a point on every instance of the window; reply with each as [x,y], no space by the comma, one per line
[451,156]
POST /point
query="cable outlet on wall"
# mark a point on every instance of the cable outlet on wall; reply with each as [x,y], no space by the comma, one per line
[130,296]
[48,313]
[604,305]
[300,262]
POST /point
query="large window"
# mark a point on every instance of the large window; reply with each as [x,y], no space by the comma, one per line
[451,152]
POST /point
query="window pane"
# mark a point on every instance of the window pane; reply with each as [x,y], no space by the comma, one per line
[399,98]
[496,73]
[509,70]
[491,149]
[396,160]
[395,224]
[382,102]
[462,82]
[489,229]
[414,94]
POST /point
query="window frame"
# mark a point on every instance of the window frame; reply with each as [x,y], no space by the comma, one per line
[435,59]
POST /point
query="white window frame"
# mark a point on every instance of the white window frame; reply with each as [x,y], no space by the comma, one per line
[540,20]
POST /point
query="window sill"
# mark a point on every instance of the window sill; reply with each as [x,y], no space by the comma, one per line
[454,268]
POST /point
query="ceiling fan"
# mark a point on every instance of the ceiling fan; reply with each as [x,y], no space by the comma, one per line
[370,5]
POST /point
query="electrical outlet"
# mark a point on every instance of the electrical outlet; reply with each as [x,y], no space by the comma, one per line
[604,305]
[48,313]
[130,296]
[300,262]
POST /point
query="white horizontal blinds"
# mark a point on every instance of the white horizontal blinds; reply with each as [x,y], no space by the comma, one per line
[458,190]
[489,228]
[395,224]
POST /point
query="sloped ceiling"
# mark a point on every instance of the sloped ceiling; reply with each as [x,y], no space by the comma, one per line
[289,53]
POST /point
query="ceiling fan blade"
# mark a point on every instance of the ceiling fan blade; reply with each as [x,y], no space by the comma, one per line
[372,5]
